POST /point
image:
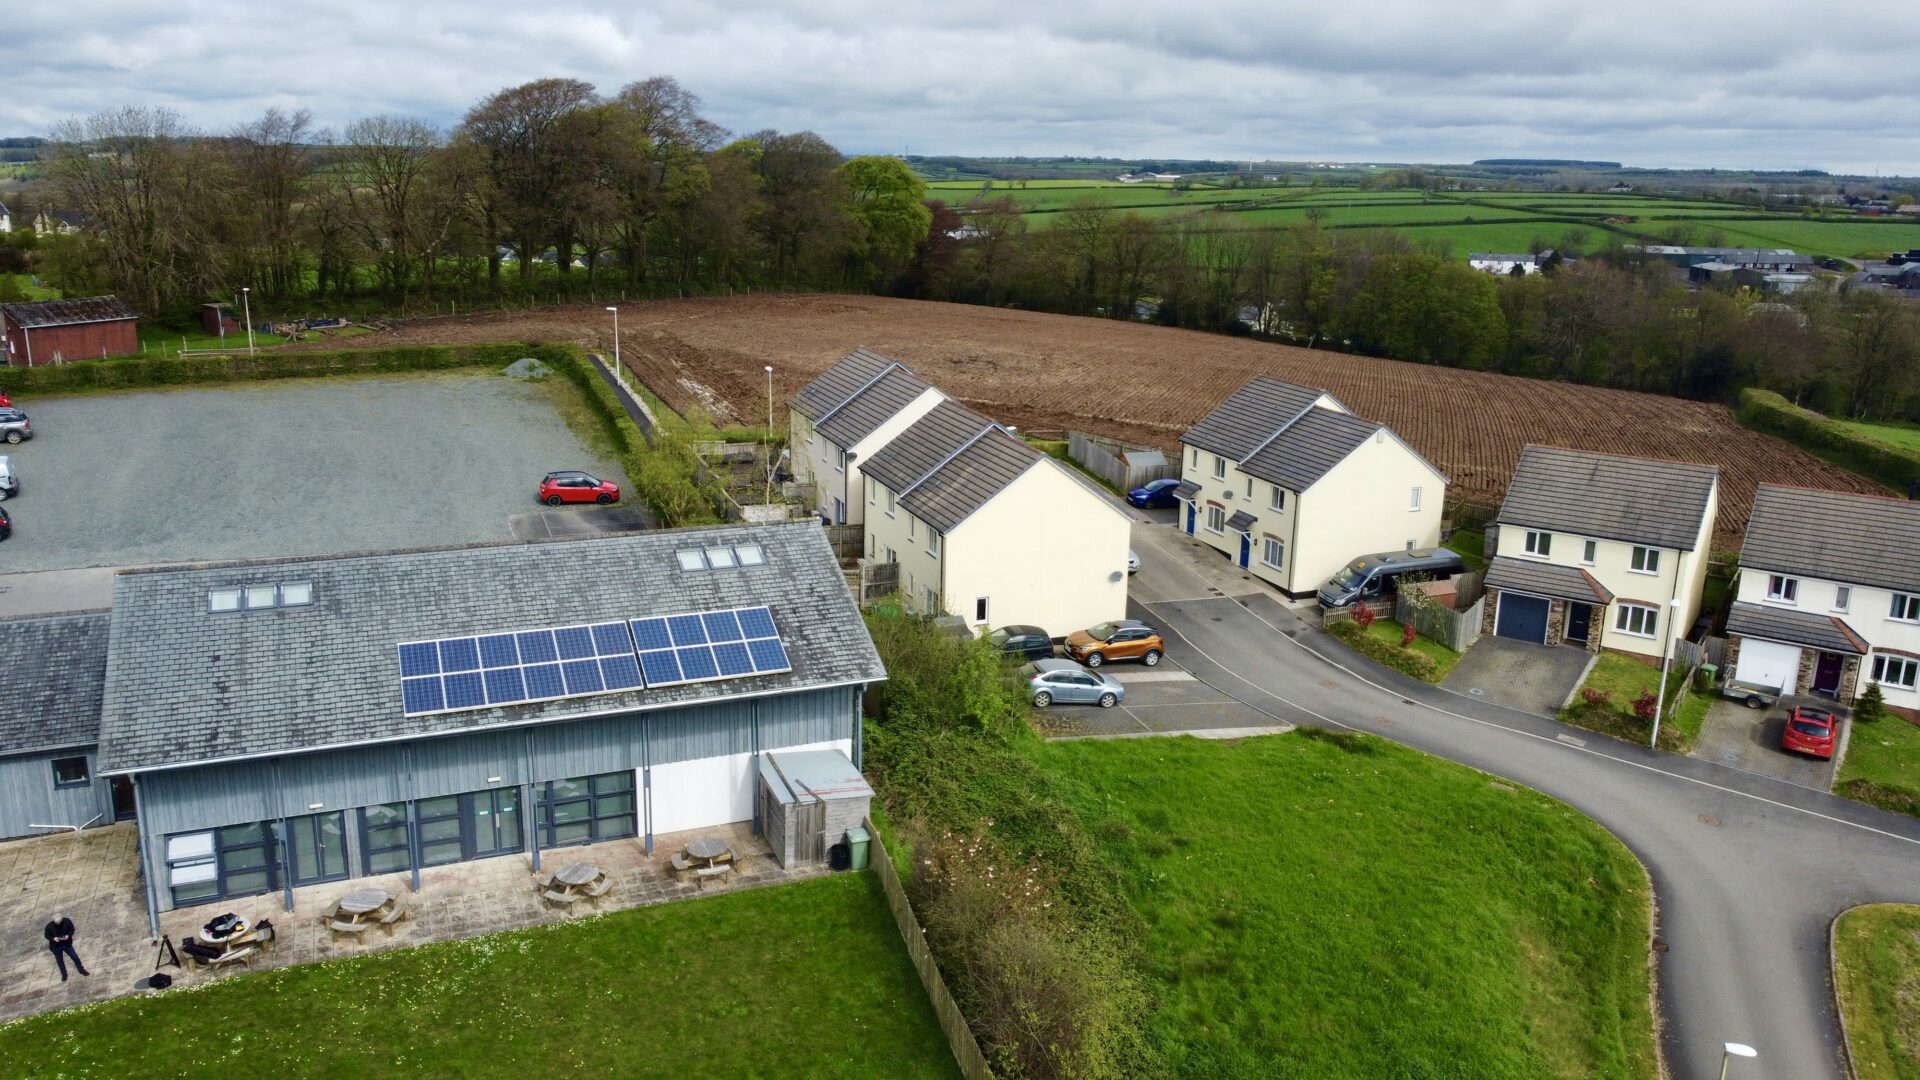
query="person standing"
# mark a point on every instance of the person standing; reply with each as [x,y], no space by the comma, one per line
[60,941]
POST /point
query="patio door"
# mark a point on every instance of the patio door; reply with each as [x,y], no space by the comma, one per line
[319,847]
[494,822]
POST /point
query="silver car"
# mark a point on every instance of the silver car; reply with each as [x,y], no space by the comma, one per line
[9,480]
[1068,683]
[14,426]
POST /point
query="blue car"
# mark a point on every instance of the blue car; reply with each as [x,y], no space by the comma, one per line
[1155,493]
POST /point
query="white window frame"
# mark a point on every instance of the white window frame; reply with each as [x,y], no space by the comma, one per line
[870,494]
[933,542]
[1842,597]
[1589,552]
[1649,620]
[890,502]
[1195,452]
[911,527]
[1267,545]
[1219,467]
[1904,608]
[1539,543]
[1783,589]
[1279,500]
[839,460]
[1882,662]
[1212,513]
[1413,504]
[1644,560]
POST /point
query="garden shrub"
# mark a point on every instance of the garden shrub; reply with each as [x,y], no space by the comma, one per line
[1871,706]
[1404,660]
[1597,699]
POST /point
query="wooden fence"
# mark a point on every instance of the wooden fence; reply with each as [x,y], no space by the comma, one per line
[846,541]
[1457,630]
[966,1050]
[1109,460]
[878,579]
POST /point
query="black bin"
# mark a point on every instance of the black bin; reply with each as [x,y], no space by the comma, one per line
[839,856]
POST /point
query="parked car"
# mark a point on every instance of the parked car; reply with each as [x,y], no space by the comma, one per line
[14,426]
[1028,641]
[1127,639]
[1809,731]
[1070,684]
[1155,493]
[9,480]
[5,401]
[1370,577]
[574,486]
[1133,561]
[6,525]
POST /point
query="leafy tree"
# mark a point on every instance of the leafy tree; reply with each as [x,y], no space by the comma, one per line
[890,200]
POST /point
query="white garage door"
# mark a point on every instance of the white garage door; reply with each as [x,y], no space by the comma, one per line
[1766,663]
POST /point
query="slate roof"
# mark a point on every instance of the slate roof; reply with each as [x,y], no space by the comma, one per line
[1309,448]
[184,686]
[1631,500]
[975,475]
[92,309]
[1823,632]
[1249,417]
[53,668]
[860,415]
[839,382]
[1853,539]
[925,443]
[1546,579]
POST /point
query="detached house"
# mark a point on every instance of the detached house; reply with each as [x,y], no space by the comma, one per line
[1292,486]
[841,418]
[1597,550]
[1828,596]
[983,526]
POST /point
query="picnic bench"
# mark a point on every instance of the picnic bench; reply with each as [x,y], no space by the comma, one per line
[362,909]
[716,872]
[573,883]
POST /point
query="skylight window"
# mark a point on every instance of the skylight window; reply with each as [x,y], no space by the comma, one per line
[223,599]
[719,557]
[258,597]
[722,557]
[692,560]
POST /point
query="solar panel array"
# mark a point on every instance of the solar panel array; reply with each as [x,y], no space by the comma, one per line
[484,670]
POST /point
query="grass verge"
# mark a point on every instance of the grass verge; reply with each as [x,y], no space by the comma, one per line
[1624,679]
[1876,977]
[1882,767]
[1381,642]
[1337,906]
[699,987]
[1390,633]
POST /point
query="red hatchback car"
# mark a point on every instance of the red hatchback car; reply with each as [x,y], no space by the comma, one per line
[1808,731]
[573,486]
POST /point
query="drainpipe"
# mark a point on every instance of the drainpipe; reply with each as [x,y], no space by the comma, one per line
[529,808]
[285,837]
[646,776]
[1293,542]
[146,860]
[413,818]
[859,726]
[753,737]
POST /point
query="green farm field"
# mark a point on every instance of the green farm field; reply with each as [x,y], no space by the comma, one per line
[1905,436]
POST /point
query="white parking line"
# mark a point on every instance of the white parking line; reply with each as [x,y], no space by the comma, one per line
[1162,675]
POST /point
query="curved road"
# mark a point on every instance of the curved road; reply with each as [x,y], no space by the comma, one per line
[1747,871]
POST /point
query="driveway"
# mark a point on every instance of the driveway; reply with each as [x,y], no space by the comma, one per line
[1519,674]
[1749,739]
[1162,700]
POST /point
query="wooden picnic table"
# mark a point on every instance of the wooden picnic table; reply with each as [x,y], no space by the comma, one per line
[708,848]
[361,903]
[576,875]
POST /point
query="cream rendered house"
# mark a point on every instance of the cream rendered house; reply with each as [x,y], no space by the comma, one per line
[1601,551]
[1828,596]
[843,417]
[985,527]
[1292,486]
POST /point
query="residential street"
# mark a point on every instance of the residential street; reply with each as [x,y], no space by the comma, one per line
[1748,871]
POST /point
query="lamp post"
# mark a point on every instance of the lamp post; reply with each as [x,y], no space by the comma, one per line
[1734,1050]
[769,433]
[618,371]
[1666,661]
[246,308]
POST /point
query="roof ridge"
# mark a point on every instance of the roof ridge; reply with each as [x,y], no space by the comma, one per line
[863,388]
[942,463]
[1891,497]
[1619,457]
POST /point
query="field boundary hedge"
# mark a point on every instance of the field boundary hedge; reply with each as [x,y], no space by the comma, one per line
[1768,412]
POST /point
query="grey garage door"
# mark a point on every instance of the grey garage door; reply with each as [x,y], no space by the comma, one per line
[1523,617]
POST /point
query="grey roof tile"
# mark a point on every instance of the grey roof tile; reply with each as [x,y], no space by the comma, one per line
[1249,417]
[1857,539]
[1546,579]
[1309,448]
[975,475]
[1632,500]
[1795,628]
[54,668]
[860,415]
[183,685]
[926,443]
[839,382]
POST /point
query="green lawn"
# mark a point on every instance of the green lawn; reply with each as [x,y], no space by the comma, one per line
[802,979]
[1882,766]
[30,290]
[1905,436]
[1470,543]
[1876,974]
[1625,679]
[1337,906]
[1391,632]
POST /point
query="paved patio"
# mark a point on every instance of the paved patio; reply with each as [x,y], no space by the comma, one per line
[92,878]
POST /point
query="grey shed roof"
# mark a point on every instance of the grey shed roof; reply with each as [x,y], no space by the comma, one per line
[1854,539]
[839,382]
[1795,628]
[1250,416]
[54,667]
[861,414]
[926,443]
[185,686]
[1546,579]
[1309,448]
[824,774]
[952,493]
[91,309]
[1632,500]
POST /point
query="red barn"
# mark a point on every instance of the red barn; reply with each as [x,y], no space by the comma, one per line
[55,331]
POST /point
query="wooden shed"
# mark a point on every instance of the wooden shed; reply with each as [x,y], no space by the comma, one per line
[57,331]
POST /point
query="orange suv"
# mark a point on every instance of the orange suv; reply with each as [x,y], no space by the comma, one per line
[1127,639]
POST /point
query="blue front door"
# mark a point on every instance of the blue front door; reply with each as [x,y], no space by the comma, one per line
[1246,549]
[1193,511]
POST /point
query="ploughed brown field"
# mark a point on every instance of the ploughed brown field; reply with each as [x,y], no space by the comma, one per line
[1140,383]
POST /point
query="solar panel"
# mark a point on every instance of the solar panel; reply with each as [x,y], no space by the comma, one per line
[709,645]
[506,668]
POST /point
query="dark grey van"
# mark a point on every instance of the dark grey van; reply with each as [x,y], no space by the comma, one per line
[1370,577]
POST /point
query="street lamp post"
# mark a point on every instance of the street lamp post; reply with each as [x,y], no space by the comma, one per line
[769,433]
[246,309]
[1734,1050]
[618,372]
[1666,661]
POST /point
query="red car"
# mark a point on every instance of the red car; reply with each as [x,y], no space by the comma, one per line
[1808,731]
[573,486]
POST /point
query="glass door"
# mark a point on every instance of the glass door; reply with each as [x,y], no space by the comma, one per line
[494,817]
[440,831]
[319,847]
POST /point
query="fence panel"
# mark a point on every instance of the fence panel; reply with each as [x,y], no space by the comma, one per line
[1106,458]
[878,580]
[966,1050]
[846,541]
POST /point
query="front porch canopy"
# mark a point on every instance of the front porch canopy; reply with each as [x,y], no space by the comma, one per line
[1548,580]
[1826,633]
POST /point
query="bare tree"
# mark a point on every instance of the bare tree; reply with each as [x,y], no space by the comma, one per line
[387,160]
[271,165]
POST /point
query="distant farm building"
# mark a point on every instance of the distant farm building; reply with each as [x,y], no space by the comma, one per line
[1766,260]
[56,331]
[1499,263]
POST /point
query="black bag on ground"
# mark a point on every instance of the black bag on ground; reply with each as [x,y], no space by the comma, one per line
[222,925]
[159,981]
[194,948]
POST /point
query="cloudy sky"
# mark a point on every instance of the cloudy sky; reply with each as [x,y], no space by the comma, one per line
[1761,84]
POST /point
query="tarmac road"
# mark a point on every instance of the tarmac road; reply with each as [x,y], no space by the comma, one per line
[1748,871]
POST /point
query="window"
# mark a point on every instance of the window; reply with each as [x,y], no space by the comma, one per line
[212,865]
[933,601]
[193,868]
[1906,608]
[980,609]
[839,460]
[1273,552]
[1216,519]
[1279,501]
[870,495]
[1219,467]
[891,557]
[1194,458]
[1249,487]
[223,599]
[70,772]
[1589,552]
[749,554]
[384,843]
[1646,560]
[1895,671]
[1636,620]
[910,527]
[1842,596]
[721,557]
[296,593]
[260,596]
[1413,501]
[256,597]
[933,542]
[1784,589]
[889,502]
[587,809]
[1539,543]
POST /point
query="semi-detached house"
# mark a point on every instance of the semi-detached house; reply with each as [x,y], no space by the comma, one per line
[1828,596]
[1597,550]
[1292,486]
[841,418]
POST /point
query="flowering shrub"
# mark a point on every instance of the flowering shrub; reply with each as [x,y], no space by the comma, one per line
[1645,706]
[1595,698]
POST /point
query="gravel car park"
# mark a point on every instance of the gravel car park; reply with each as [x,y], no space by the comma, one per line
[284,468]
